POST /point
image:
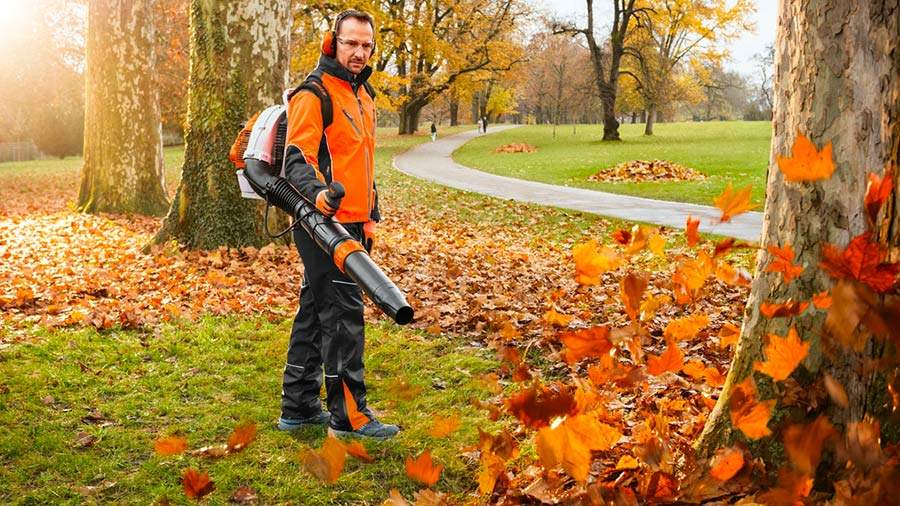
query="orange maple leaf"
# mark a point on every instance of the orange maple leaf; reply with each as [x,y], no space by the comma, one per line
[728,274]
[671,360]
[729,334]
[423,469]
[877,191]
[862,261]
[652,304]
[781,309]
[804,442]
[748,414]
[170,445]
[697,370]
[442,426]
[806,163]
[686,327]
[241,437]
[733,203]
[592,261]
[622,236]
[783,262]
[537,405]
[631,289]
[356,418]
[555,318]
[196,484]
[657,244]
[822,300]
[356,449]
[570,443]
[589,342]
[783,355]
[326,463]
[726,463]
[690,231]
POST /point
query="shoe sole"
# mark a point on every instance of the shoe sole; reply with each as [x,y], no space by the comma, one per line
[344,433]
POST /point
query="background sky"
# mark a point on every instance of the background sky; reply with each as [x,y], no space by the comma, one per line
[742,49]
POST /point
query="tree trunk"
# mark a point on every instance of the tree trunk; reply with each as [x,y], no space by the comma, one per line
[409,118]
[454,110]
[836,80]
[651,120]
[239,65]
[123,159]
[610,123]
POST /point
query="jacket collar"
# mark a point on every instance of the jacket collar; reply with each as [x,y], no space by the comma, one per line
[331,66]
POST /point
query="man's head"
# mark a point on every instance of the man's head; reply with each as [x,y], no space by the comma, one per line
[355,39]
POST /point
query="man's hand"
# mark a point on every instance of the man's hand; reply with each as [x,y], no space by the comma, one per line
[329,200]
[369,235]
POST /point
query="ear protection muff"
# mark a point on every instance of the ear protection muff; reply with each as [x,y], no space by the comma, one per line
[329,42]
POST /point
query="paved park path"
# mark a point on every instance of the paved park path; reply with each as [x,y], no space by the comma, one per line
[432,161]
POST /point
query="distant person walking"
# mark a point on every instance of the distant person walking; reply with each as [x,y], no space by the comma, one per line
[433,132]
[484,124]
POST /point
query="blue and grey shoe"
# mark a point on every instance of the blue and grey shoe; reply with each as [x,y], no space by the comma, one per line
[372,430]
[321,418]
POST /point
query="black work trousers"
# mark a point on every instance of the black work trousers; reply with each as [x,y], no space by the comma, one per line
[328,330]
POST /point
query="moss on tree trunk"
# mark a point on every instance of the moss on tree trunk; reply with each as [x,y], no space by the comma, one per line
[239,65]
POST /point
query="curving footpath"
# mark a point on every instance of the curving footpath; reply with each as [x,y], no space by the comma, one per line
[432,161]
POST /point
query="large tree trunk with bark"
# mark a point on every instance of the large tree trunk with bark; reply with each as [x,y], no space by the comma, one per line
[409,117]
[837,79]
[651,119]
[454,110]
[239,65]
[123,159]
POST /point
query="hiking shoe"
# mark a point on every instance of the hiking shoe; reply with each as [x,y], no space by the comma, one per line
[321,418]
[373,430]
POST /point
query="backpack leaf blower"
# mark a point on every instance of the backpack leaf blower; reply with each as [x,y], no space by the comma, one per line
[263,177]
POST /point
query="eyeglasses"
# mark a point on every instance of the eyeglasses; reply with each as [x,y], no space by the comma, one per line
[355,44]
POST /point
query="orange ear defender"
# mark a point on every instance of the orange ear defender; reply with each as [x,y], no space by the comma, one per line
[329,42]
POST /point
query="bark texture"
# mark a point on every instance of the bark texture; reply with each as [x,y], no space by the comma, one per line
[239,65]
[837,66]
[123,159]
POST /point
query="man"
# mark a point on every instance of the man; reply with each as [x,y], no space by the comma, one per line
[329,325]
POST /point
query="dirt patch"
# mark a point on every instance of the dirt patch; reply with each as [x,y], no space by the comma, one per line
[644,170]
[516,147]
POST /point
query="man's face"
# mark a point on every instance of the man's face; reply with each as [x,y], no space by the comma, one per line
[354,44]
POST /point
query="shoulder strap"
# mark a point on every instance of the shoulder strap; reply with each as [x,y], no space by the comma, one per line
[369,89]
[313,83]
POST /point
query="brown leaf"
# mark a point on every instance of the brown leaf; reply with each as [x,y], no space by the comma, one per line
[570,444]
[631,290]
[327,463]
[803,443]
[537,405]
[583,343]
[244,495]
[836,391]
[356,449]
[196,484]
[241,437]
[691,231]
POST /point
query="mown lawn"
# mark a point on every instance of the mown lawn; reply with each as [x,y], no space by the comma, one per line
[735,152]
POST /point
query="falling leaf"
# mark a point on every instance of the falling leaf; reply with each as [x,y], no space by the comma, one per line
[657,244]
[748,414]
[726,463]
[806,163]
[196,484]
[783,355]
[862,261]
[691,231]
[327,463]
[622,236]
[652,304]
[442,426]
[733,203]
[170,445]
[685,328]
[631,289]
[671,360]
[877,191]
[537,405]
[423,469]
[792,488]
[354,416]
[863,444]
[803,443]
[781,309]
[783,262]
[570,443]
[404,390]
[728,274]
[583,343]
[241,437]
[822,300]
[729,334]
[591,262]
[836,391]
[552,317]
[356,449]
[395,499]
[492,466]
[697,370]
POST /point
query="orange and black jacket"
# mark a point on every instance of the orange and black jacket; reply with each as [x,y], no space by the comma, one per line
[344,151]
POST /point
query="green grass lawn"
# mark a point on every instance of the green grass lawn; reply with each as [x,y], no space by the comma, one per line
[736,152]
